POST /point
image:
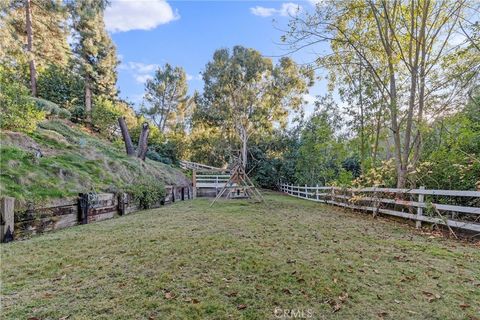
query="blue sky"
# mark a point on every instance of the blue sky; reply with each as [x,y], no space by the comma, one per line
[150,33]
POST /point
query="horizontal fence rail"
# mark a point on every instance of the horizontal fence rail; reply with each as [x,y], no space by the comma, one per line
[420,205]
[211,180]
[189,165]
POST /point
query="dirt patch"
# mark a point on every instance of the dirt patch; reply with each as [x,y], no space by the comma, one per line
[23,141]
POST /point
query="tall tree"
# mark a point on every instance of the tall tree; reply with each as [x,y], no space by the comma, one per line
[245,93]
[320,154]
[33,33]
[403,44]
[95,50]
[31,62]
[166,96]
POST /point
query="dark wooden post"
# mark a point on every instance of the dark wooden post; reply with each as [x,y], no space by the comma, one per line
[83,207]
[122,203]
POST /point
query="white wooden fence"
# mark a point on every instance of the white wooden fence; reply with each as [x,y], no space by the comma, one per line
[405,203]
[211,180]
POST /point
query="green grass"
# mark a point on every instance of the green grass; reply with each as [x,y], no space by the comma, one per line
[73,161]
[238,260]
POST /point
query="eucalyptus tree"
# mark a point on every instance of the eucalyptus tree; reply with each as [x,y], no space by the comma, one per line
[166,97]
[246,94]
[404,46]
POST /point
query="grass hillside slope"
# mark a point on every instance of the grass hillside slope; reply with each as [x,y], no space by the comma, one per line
[61,159]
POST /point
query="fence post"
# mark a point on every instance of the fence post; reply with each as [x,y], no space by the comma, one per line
[7,218]
[421,198]
[306,192]
[83,207]
[316,191]
[122,203]
[376,203]
[333,194]
[347,199]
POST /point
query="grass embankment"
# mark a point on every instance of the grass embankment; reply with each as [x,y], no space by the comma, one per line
[241,261]
[60,159]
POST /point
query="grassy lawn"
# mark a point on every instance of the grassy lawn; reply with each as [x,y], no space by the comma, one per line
[241,261]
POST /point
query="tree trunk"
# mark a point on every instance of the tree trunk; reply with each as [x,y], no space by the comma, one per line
[88,101]
[33,70]
[377,135]
[244,138]
[143,142]
[126,137]
[362,123]
[421,93]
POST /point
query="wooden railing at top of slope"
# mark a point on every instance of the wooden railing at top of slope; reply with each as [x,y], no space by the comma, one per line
[200,167]
[372,199]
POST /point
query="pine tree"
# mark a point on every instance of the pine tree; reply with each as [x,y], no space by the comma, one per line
[33,33]
[166,96]
[95,51]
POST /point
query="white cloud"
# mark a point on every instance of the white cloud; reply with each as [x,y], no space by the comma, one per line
[126,15]
[140,71]
[290,9]
[262,11]
[287,9]
[139,67]
[315,2]
[142,78]
[193,77]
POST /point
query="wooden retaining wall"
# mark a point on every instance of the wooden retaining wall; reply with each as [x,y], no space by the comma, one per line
[84,209]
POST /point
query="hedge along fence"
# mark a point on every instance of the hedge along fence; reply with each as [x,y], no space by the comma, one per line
[84,209]
[421,205]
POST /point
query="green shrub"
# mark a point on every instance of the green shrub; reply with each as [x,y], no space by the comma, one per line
[147,192]
[63,86]
[18,111]
[105,114]
[51,108]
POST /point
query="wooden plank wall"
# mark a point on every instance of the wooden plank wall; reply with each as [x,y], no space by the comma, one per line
[67,212]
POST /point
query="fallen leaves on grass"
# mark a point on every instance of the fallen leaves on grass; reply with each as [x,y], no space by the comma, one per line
[338,303]
[287,291]
[431,296]
[169,295]
[241,306]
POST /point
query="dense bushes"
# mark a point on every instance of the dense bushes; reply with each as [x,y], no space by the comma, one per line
[18,111]
[105,115]
[147,192]
[62,87]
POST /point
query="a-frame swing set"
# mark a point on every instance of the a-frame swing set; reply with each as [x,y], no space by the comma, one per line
[239,186]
